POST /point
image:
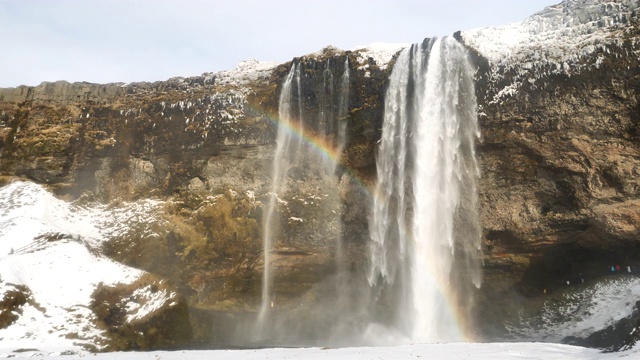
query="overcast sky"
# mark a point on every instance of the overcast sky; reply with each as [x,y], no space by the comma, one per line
[148,40]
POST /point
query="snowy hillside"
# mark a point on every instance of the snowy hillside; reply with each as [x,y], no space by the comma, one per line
[561,39]
[50,265]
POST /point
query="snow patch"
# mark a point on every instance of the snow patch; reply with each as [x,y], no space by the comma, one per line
[579,311]
[52,247]
[245,72]
[146,301]
[380,53]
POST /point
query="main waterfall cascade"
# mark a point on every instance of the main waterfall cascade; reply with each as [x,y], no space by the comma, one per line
[425,234]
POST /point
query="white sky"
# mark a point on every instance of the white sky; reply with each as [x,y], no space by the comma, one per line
[149,40]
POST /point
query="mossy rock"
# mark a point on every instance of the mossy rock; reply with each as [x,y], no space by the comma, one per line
[162,326]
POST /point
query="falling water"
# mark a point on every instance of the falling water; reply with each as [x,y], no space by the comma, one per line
[326,110]
[343,109]
[284,150]
[292,151]
[425,246]
[341,138]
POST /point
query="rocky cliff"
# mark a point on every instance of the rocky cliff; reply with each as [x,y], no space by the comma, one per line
[204,147]
[559,106]
[559,149]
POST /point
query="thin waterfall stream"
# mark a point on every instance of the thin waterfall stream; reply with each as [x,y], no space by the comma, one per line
[293,142]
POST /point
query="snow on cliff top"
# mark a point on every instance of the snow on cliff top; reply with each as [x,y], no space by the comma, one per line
[245,72]
[380,52]
[52,247]
[559,33]
[561,39]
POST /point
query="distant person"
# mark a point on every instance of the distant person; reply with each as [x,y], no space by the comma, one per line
[617,267]
[628,269]
[613,269]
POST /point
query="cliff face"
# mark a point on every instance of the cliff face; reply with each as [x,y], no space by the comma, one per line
[559,149]
[560,158]
[204,146]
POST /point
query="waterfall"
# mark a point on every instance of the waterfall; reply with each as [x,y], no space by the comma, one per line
[425,235]
[343,112]
[333,112]
[305,148]
[341,139]
[286,147]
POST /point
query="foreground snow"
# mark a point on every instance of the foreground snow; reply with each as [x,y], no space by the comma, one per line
[492,351]
[52,248]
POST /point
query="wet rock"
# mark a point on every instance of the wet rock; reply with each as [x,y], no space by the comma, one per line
[144,315]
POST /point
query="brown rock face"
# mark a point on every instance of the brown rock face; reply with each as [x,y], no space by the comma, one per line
[63,92]
[204,145]
[559,189]
[116,310]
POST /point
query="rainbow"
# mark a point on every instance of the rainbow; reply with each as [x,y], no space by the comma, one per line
[455,309]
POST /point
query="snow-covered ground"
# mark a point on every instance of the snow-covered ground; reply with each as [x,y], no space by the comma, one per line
[579,311]
[489,351]
[52,248]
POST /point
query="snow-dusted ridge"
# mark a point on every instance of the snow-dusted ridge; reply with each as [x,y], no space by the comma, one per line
[245,72]
[380,52]
[52,248]
[561,39]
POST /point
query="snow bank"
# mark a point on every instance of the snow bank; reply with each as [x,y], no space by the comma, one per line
[495,351]
[53,248]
